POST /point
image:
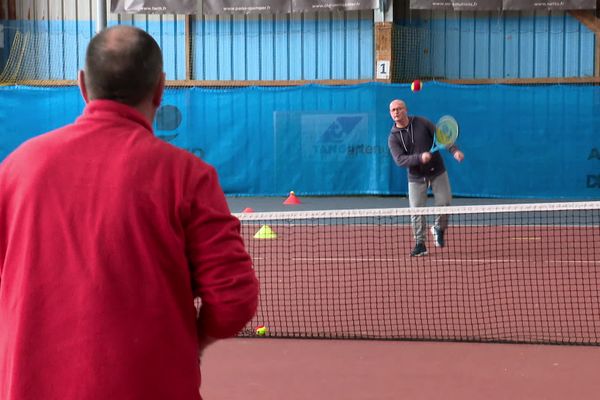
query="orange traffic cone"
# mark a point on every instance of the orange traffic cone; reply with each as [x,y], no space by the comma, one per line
[292,199]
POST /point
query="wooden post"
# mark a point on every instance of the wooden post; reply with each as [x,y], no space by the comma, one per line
[189,72]
[12,9]
[383,51]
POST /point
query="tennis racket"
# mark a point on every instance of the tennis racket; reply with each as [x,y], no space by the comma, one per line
[446,133]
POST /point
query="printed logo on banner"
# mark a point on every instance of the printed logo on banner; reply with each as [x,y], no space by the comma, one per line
[457,5]
[336,137]
[167,121]
[549,5]
[481,5]
[216,7]
[328,5]
[154,6]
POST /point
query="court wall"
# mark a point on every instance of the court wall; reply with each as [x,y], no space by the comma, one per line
[519,141]
[241,92]
[266,47]
[315,46]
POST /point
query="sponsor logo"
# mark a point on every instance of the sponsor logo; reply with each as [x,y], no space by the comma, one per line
[337,136]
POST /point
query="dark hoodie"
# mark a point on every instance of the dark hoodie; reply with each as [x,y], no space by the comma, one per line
[407,145]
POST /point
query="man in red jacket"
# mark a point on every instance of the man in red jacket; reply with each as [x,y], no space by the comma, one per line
[107,234]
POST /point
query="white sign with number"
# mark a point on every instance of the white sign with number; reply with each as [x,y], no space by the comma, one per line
[383,69]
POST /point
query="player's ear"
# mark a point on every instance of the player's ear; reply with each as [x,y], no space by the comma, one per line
[82,87]
[158,91]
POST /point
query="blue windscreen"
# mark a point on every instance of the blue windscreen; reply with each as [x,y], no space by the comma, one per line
[519,141]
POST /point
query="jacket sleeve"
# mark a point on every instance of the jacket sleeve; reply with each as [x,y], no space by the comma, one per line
[221,268]
[399,154]
[429,126]
[453,149]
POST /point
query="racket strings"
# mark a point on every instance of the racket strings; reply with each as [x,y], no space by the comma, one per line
[446,132]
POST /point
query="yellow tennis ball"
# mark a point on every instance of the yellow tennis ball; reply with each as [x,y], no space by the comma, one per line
[261,330]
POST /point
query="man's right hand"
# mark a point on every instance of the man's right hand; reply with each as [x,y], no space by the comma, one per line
[425,157]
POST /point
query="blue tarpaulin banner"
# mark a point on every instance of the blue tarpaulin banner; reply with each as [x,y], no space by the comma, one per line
[519,141]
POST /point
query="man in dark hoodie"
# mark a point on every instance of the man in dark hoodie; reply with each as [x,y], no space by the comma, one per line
[410,140]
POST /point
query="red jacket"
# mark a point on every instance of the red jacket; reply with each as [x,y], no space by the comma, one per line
[106,235]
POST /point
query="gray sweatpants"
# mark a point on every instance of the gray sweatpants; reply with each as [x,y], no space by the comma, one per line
[417,197]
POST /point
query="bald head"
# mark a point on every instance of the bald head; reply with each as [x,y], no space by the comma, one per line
[124,64]
[399,113]
[397,103]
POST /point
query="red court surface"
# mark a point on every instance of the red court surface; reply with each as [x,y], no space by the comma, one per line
[487,284]
[315,369]
[310,369]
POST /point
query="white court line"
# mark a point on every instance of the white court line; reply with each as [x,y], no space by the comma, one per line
[351,259]
[437,260]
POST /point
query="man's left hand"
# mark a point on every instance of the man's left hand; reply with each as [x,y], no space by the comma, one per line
[459,156]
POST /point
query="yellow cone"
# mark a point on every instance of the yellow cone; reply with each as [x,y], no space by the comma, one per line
[265,232]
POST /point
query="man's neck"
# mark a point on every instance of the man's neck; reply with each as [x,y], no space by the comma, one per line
[403,124]
[147,110]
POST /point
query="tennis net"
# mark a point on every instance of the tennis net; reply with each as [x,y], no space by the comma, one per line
[517,273]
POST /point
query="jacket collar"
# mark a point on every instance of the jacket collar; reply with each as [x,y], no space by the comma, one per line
[395,129]
[109,109]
